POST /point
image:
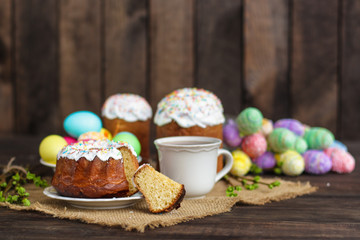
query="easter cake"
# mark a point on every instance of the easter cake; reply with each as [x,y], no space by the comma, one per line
[95,169]
[190,112]
[130,113]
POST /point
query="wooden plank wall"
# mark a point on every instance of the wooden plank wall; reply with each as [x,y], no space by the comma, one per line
[289,58]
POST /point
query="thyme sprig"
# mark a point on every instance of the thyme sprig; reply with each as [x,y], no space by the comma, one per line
[12,179]
[249,183]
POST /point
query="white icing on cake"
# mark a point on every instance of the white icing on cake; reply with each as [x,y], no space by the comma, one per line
[103,149]
[190,107]
[127,106]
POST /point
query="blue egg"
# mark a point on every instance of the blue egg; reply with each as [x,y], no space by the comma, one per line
[340,145]
[81,122]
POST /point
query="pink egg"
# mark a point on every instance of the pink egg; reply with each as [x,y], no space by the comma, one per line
[70,140]
[342,161]
[254,145]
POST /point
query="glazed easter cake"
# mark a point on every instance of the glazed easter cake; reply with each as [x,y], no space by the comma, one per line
[190,112]
[95,169]
[131,113]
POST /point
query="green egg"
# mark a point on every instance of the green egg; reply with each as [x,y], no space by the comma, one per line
[129,138]
[300,145]
[249,121]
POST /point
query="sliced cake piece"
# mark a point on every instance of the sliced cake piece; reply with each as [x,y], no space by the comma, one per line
[161,193]
[130,166]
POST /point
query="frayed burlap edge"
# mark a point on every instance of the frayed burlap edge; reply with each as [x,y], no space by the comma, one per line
[137,217]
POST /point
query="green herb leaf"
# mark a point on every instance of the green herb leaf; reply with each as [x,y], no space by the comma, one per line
[26,202]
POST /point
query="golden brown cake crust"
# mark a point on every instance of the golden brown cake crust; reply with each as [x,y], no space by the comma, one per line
[173,129]
[141,129]
[176,201]
[90,179]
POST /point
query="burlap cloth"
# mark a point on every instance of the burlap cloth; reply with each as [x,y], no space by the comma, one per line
[138,217]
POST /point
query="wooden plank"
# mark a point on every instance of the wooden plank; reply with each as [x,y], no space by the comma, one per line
[314,63]
[80,56]
[36,66]
[218,50]
[350,58]
[171,47]
[6,84]
[125,47]
[337,209]
[266,51]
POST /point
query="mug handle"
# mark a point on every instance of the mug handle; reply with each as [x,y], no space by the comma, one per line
[228,164]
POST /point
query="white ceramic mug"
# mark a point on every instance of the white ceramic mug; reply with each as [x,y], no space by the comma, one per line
[192,161]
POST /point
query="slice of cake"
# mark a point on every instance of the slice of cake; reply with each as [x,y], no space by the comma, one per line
[161,193]
[130,166]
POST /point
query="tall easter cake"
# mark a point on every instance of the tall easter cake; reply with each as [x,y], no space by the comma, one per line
[190,112]
[95,169]
[131,113]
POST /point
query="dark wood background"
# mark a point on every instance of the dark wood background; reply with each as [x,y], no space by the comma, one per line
[298,58]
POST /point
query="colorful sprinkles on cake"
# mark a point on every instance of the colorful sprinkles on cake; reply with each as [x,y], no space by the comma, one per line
[190,107]
[103,149]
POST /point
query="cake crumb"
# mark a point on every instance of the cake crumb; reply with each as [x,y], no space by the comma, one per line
[328,184]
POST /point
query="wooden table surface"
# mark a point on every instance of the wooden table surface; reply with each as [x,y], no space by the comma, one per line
[332,212]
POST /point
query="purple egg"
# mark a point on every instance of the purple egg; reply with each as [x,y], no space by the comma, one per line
[317,162]
[266,161]
[292,124]
[231,134]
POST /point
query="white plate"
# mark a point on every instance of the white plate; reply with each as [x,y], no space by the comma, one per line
[47,164]
[139,158]
[95,203]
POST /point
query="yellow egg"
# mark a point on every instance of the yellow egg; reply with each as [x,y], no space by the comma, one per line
[280,157]
[242,163]
[106,133]
[50,146]
[292,163]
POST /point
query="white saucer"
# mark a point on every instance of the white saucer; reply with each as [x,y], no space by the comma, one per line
[47,164]
[95,203]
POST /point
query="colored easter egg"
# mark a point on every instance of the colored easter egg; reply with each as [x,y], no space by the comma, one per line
[70,140]
[317,162]
[280,157]
[231,134]
[293,163]
[106,133]
[281,139]
[130,139]
[300,145]
[242,163]
[249,121]
[266,161]
[291,124]
[342,161]
[91,136]
[254,145]
[318,138]
[81,122]
[340,145]
[50,146]
[266,127]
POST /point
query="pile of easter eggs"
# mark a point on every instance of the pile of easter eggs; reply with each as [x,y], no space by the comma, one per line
[287,145]
[82,126]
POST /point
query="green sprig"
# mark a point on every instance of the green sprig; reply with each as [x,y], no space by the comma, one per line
[230,190]
[11,181]
[255,183]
